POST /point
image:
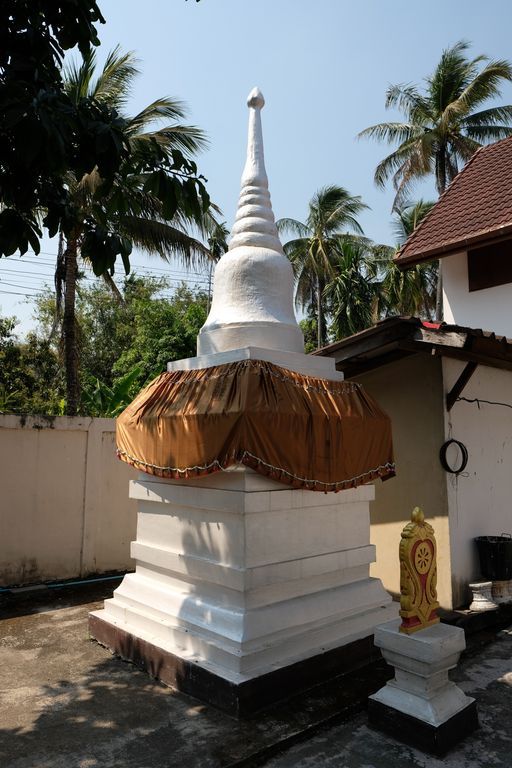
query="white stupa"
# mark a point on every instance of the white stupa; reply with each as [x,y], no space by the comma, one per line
[252,314]
[240,576]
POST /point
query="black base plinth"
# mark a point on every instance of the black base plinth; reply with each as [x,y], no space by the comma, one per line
[242,699]
[436,740]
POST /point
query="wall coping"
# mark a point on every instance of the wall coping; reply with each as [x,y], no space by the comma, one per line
[42,421]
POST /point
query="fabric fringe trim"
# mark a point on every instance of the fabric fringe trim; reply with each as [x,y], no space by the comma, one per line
[384,472]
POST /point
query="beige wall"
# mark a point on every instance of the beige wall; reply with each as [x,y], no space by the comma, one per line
[410,390]
[64,506]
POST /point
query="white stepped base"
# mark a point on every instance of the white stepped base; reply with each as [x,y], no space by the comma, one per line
[243,576]
[234,660]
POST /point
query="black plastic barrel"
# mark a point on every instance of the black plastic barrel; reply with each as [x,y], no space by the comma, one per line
[495,554]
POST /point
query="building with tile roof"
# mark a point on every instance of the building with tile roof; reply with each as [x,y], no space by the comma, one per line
[470,231]
[448,381]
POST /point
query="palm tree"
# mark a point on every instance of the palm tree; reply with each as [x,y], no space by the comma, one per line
[332,212]
[442,130]
[154,199]
[407,218]
[410,291]
[352,293]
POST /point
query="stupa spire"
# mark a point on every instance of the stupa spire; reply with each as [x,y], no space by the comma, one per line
[252,303]
[254,221]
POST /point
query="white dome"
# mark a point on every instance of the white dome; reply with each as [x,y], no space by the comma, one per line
[252,301]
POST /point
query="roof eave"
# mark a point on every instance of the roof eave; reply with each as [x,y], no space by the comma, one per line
[402,336]
[447,249]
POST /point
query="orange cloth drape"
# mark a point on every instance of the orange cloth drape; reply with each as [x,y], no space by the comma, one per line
[303,431]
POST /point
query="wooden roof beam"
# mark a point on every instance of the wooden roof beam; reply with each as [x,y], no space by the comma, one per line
[459,385]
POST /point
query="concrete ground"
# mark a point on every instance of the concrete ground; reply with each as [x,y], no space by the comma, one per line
[65,702]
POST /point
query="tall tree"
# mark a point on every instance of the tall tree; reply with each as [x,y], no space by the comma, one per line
[352,293]
[332,212]
[153,199]
[408,217]
[43,134]
[444,123]
[30,374]
[409,291]
[122,343]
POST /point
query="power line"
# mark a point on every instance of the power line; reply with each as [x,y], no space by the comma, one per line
[133,265]
[15,293]
[30,274]
[176,275]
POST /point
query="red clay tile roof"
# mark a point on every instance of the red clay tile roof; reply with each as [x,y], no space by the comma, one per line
[477,206]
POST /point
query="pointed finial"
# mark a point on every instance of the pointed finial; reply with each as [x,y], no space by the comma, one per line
[255,99]
[254,222]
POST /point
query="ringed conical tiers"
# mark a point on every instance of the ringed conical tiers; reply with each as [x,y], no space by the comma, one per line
[253,285]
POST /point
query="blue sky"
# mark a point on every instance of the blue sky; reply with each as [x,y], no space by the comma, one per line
[323,66]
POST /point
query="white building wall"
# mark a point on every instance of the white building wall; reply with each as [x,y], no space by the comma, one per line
[490,309]
[479,499]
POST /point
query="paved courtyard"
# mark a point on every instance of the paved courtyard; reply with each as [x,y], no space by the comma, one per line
[67,703]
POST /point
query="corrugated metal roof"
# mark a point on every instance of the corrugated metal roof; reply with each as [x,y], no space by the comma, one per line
[400,336]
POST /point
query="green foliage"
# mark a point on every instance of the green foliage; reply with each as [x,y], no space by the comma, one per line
[110,401]
[43,133]
[152,201]
[156,191]
[444,123]
[353,281]
[351,294]
[332,212]
[123,345]
[218,240]
[308,328]
[162,331]
[30,374]
[409,291]
[143,330]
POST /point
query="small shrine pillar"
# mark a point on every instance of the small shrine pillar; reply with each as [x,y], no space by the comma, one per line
[421,706]
[253,535]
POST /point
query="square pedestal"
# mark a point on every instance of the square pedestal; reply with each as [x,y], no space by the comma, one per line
[244,590]
[421,706]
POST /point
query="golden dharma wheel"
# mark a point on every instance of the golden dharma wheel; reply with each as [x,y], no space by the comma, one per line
[418,575]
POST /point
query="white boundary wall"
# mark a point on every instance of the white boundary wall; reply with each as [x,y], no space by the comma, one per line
[64,505]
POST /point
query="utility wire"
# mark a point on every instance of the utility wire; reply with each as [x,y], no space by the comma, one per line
[479,400]
[16,293]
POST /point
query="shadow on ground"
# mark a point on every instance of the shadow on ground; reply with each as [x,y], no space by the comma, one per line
[21,602]
[67,703]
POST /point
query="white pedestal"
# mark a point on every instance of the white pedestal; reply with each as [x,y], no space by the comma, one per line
[421,705]
[421,687]
[242,576]
[482,597]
